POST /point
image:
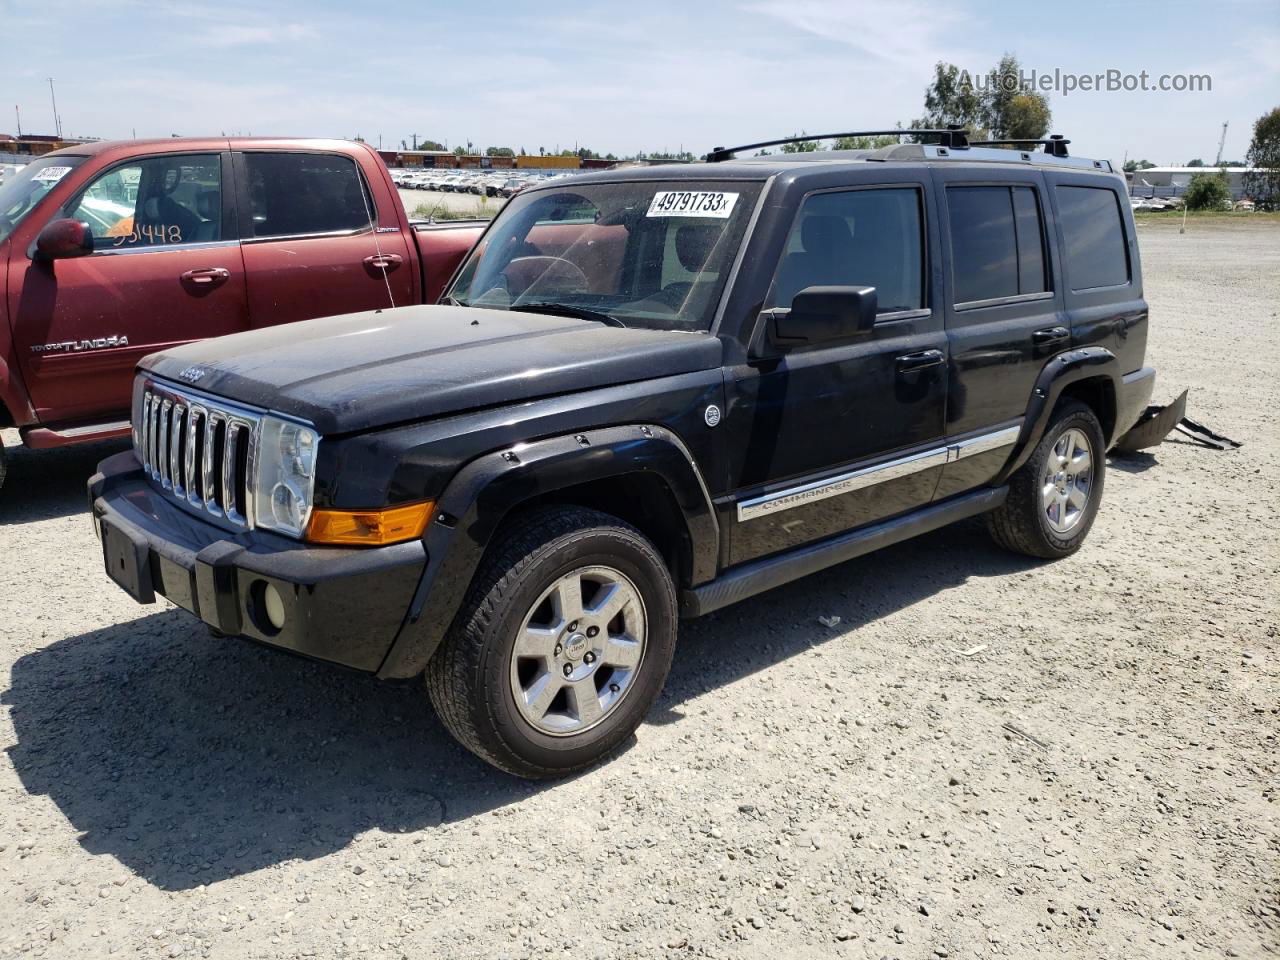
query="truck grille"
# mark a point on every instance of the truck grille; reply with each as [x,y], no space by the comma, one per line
[199,449]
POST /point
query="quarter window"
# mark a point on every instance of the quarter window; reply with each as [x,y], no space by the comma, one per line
[871,238]
[295,194]
[997,243]
[157,202]
[1093,237]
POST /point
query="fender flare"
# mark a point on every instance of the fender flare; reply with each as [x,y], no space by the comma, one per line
[486,490]
[1064,369]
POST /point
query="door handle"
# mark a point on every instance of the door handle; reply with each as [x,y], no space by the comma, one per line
[1050,335]
[912,362]
[383,261]
[205,278]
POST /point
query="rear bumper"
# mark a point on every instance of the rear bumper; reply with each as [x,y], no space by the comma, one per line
[1132,399]
[341,605]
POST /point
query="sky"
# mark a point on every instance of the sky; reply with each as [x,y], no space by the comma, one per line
[622,77]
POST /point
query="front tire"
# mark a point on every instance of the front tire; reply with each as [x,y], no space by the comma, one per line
[561,647]
[1054,496]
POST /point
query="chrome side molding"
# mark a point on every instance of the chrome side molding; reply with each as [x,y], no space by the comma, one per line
[880,473]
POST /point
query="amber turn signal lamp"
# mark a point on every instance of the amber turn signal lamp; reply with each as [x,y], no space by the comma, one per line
[369,528]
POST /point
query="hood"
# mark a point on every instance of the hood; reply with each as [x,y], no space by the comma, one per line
[366,370]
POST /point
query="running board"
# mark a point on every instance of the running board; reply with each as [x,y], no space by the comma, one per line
[761,575]
[43,438]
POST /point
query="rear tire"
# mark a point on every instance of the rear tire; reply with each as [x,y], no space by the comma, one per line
[562,645]
[1054,496]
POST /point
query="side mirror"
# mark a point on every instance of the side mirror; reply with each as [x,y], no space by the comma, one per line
[64,239]
[822,314]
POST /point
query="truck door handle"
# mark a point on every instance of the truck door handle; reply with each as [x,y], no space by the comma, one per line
[919,361]
[383,261]
[205,278]
[1050,335]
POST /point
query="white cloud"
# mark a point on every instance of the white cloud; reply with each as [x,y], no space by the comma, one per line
[907,33]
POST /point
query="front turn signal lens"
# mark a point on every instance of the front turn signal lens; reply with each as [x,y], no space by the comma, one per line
[369,528]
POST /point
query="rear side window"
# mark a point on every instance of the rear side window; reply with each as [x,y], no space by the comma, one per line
[872,238]
[296,194]
[1093,237]
[997,243]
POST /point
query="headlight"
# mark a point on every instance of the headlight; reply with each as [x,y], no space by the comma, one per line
[284,480]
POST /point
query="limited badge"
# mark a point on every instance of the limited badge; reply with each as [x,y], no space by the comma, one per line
[711,415]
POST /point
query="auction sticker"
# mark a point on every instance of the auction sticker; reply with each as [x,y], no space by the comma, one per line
[51,173]
[692,203]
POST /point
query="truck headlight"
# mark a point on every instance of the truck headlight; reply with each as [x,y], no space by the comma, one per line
[284,480]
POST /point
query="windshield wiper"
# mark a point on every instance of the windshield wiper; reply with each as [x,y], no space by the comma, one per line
[569,310]
[453,301]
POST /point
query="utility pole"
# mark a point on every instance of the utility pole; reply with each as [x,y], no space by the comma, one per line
[1221,142]
[57,124]
[414,136]
[18,113]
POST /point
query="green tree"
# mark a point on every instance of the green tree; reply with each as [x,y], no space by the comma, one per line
[1026,116]
[995,105]
[1262,183]
[499,152]
[953,98]
[1197,162]
[863,143]
[800,146]
[1208,191]
[1133,166]
[431,145]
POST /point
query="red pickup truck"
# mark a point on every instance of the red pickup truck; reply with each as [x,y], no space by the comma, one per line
[111,251]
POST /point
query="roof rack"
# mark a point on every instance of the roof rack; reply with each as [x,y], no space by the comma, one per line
[955,137]
[1054,146]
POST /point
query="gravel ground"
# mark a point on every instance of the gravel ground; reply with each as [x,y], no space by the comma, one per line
[986,756]
[435,201]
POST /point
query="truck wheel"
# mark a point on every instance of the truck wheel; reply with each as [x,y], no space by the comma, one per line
[562,645]
[3,467]
[1054,496]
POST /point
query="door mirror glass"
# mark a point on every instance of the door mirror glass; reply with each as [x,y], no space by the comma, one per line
[825,315]
[63,239]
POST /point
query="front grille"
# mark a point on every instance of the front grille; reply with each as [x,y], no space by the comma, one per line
[198,449]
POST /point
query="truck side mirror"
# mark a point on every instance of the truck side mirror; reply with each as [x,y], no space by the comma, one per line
[64,239]
[825,314]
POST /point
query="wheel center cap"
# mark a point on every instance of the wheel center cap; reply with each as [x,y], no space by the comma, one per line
[575,646]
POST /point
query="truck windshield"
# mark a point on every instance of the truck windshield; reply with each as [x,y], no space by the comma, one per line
[26,187]
[646,253]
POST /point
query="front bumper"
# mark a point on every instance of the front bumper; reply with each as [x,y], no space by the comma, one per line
[341,605]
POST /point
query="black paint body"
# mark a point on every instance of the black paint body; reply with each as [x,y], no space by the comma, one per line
[486,412]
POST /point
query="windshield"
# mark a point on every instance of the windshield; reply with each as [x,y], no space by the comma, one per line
[648,254]
[26,187]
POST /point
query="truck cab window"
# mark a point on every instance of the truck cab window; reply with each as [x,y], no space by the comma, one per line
[157,202]
[301,194]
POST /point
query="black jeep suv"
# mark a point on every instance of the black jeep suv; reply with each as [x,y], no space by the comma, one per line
[647,394]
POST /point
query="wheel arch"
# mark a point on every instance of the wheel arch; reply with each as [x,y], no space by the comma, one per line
[642,474]
[1088,374]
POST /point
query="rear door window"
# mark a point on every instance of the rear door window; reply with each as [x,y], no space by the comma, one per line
[997,243]
[303,194]
[1093,237]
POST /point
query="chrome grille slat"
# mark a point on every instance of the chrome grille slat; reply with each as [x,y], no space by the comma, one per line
[199,451]
[162,455]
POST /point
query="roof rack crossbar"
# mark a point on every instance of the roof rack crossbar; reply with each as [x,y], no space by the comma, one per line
[957,138]
[1054,146]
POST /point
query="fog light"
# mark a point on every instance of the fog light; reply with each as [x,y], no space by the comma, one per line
[273,606]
